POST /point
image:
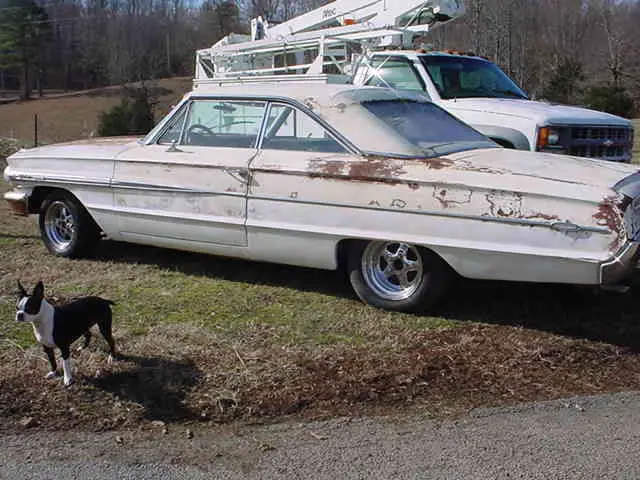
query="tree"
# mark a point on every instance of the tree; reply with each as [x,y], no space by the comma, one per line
[133,116]
[610,98]
[24,30]
[565,82]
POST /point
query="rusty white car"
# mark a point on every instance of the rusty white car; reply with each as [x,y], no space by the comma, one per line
[382,183]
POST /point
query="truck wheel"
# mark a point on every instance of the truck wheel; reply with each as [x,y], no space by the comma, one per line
[397,276]
[66,228]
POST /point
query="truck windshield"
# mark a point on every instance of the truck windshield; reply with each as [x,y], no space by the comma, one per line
[465,77]
[427,126]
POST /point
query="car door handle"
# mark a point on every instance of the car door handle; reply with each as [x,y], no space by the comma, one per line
[239,174]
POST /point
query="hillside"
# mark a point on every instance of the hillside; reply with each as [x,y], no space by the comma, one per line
[74,116]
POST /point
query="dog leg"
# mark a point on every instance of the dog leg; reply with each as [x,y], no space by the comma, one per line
[66,366]
[52,363]
[105,330]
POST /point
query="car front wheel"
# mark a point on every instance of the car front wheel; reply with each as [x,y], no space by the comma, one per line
[397,275]
[66,228]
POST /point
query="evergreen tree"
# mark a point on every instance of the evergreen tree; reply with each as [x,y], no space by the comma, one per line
[24,29]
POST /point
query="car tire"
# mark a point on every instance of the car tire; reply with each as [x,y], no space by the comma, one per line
[66,228]
[397,275]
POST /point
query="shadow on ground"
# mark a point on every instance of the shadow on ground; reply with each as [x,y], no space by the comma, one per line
[159,385]
[578,312]
[235,270]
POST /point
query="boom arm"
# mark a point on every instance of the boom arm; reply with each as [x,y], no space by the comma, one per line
[320,39]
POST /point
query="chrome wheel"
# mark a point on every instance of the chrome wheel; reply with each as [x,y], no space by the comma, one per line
[392,270]
[59,225]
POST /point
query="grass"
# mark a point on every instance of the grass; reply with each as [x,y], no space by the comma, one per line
[70,117]
[207,339]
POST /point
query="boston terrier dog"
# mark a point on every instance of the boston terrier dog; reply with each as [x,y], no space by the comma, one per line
[61,326]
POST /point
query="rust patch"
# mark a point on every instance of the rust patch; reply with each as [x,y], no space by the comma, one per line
[375,168]
[382,170]
[326,167]
[469,167]
[505,204]
[451,197]
[437,163]
[609,216]
[543,216]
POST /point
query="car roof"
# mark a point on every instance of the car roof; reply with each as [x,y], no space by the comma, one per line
[304,93]
[339,105]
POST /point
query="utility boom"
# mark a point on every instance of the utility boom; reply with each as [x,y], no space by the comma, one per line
[322,40]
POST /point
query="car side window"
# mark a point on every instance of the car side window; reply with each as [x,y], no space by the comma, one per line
[393,73]
[173,130]
[223,123]
[291,129]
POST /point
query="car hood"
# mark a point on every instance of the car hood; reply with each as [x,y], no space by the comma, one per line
[541,112]
[95,148]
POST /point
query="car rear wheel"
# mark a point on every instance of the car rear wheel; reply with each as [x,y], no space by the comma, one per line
[66,228]
[397,275]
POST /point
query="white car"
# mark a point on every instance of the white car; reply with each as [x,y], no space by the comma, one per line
[381,183]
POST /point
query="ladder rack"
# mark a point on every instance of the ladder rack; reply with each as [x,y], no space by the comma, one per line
[323,41]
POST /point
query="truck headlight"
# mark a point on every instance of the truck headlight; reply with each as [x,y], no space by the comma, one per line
[548,137]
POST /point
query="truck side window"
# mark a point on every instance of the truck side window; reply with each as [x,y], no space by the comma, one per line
[393,73]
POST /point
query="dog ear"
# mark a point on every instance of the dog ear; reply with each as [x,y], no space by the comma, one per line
[38,290]
[21,291]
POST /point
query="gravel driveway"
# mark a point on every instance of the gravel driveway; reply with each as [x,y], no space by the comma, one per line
[589,437]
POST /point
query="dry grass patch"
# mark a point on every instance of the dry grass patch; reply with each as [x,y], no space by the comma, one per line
[71,117]
[206,339]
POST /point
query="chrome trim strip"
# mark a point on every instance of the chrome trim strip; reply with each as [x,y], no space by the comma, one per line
[59,180]
[150,187]
[434,213]
[175,216]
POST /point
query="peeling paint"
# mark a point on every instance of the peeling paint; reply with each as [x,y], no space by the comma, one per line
[449,197]
[437,163]
[609,216]
[505,204]
[376,170]
[470,167]
[540,215]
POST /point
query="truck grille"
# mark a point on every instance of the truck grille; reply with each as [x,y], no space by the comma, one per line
[609,143]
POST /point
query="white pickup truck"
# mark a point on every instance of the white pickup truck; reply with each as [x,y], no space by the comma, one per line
[478,92]
[330,38]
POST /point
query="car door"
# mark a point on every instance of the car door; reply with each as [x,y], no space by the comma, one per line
[188,187]
[292,198]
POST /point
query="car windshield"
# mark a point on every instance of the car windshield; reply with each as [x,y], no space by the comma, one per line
[465,77]
[427,126]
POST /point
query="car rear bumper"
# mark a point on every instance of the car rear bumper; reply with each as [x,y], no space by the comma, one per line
[622,265]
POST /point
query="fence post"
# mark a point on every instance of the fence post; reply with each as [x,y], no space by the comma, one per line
[35,129]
